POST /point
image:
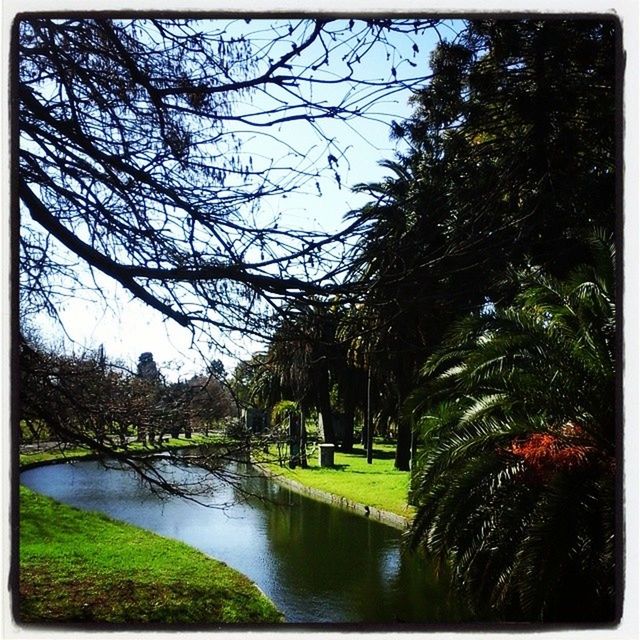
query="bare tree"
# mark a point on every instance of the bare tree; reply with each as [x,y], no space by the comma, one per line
[146,147]
[86,401]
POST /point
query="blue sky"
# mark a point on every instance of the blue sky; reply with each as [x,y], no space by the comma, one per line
[126,327]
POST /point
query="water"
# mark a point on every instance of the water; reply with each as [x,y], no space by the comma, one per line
[318,563]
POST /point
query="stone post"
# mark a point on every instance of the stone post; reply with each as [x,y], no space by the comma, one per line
[326,455]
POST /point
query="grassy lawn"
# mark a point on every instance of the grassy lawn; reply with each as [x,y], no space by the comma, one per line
[378,484]
[79,566]
[58,453]
[46,455]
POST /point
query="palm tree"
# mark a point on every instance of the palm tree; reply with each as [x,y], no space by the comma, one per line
[516,482]
[395,319]
[298,363]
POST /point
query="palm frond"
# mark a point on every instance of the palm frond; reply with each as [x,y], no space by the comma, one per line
[522,509]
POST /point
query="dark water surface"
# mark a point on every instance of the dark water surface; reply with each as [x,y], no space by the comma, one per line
[318,563]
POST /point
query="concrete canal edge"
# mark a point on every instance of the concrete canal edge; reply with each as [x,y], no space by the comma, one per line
[387,517]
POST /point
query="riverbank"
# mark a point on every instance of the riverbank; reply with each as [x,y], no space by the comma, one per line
[53,452]
[77,566]
[376,490]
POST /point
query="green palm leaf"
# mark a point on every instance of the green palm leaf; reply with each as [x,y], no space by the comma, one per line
[514,482]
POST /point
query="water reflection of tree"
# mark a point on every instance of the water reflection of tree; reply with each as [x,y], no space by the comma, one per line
[338,562]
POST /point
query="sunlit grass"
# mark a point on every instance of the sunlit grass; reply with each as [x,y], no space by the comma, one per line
[377,484]
[61,453]
[54,453]
[80,566]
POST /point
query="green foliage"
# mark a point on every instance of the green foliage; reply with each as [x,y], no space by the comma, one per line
[235,428]
[515,485]
[84,567]
[514,146]
[306,363]
[282,410]
[511,159]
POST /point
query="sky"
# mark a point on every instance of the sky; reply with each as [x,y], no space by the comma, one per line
[125,327]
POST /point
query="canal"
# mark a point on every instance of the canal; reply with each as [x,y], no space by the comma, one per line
[318,563]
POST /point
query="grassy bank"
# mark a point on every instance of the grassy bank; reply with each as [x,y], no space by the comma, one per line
[58,452]
[377,485]
[78,566]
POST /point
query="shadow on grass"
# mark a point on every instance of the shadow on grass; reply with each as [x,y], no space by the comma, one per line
[377,453]
[335,467]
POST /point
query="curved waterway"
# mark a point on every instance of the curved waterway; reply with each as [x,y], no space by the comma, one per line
[318,563]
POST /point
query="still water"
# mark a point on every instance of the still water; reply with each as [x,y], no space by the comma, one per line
[318,563]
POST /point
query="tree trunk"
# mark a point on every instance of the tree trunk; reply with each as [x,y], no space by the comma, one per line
[303,441]
[327,424]
[364,435]
[349,424]
[324,406]
[295,429]
[403,445]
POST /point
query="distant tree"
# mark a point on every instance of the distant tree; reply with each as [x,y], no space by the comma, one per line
[209,401]
[174,409]
[347,373]
[80,399]
[256,383]
[151,424]
[147,368]
[300,357]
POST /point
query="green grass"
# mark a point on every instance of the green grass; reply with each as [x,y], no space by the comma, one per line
[177,443]
[58,453]
[377,485]
[48,455]
[77,566]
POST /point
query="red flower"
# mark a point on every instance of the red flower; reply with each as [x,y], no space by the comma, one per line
[545,454]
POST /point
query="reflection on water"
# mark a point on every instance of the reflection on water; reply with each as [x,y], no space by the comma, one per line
[317,563]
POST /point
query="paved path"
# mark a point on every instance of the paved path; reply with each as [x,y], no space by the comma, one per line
[41,446]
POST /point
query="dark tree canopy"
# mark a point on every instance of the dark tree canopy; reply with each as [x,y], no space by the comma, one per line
[511,163]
